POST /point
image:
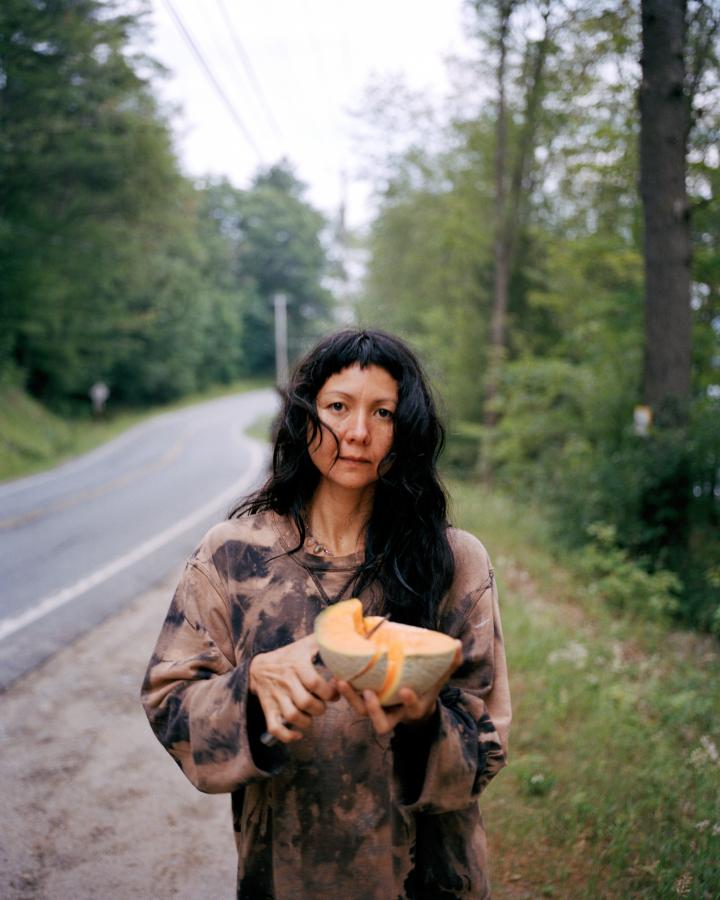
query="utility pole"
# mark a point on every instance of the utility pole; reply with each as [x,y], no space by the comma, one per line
[281,353]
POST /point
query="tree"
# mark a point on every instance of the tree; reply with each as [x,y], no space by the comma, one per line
[226,296]
[574,326]
[513,162]
[423,273]
[93,210]
[664,127]
[501,250]
[279,250]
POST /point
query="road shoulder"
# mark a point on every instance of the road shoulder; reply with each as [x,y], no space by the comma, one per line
[93,805]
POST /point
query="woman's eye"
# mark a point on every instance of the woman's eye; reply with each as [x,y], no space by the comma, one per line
[384,413]
[337,406]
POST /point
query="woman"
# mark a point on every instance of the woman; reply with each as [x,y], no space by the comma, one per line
[346,799]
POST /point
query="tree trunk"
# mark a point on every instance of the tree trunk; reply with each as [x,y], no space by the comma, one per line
[509,202]
[501,249]
[664,123]
[520,184]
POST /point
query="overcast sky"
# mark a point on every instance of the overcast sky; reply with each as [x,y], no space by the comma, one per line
[292,70]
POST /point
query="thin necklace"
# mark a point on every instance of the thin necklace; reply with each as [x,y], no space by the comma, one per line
[310,538]
[317,546]
[321,548]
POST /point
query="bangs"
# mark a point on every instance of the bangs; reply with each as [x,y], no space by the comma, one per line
[363,348]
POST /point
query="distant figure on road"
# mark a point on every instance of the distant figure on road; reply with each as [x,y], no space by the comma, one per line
[99,394]
[334,795]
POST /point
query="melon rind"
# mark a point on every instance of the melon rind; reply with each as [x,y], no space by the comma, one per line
[353,658]
[354,668]
[374,678]
[425,655]
[419,672]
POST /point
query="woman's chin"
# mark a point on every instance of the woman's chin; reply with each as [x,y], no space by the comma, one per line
[351,481]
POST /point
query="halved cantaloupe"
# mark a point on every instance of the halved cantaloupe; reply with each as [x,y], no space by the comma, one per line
[394,657]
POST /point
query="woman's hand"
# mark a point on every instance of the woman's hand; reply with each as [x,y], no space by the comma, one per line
[290,689]
[413,709]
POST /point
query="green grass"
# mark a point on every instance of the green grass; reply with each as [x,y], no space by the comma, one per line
[613,790]
[33,439]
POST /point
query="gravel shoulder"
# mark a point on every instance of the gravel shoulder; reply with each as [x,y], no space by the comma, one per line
[93,805]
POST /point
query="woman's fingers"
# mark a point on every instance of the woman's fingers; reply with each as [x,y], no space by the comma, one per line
[276,726]
[353,698]
[290,689]
[306,701]
[291,714]
[383,719]
[412,703]
[317,685]
[282,732]
[419,707]
[413,708]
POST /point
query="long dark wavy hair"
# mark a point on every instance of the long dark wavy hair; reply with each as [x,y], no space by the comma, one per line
[407,552]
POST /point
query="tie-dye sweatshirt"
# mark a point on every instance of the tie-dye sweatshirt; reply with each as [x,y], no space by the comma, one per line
[343,813]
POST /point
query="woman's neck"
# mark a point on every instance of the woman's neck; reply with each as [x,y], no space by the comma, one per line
[337,518]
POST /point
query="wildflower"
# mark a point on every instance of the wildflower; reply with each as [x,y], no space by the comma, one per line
[707,754]
[573,653]
[710,747]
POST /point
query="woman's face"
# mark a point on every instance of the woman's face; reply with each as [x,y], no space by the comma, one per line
[359,406]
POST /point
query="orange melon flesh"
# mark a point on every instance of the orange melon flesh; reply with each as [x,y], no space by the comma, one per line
[394,657]
[340,633]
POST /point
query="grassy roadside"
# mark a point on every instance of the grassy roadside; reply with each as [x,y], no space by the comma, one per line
[33,439]
[614,785]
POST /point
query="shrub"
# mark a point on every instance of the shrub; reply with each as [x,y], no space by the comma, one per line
[622,581]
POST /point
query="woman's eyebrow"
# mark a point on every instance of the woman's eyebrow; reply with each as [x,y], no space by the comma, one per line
[347,396]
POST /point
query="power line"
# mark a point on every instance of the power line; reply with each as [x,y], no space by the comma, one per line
[250,72]
[213,80]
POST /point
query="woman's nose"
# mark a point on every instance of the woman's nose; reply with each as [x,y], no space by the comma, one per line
[358,427]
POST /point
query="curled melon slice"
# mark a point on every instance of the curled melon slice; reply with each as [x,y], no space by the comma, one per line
[393,657]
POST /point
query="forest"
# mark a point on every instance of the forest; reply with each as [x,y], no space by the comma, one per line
[114,265]
[547,239]
[519,243]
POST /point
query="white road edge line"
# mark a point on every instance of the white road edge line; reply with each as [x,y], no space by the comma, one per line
[55,601]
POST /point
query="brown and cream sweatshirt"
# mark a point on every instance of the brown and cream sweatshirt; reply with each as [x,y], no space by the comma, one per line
[344,812]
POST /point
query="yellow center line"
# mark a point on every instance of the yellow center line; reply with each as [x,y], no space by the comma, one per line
[33,515]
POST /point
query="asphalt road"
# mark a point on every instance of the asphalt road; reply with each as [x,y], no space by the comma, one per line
[80,541]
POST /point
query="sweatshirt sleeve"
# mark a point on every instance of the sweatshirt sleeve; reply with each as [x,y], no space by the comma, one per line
[445,767]
[195,692]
